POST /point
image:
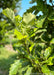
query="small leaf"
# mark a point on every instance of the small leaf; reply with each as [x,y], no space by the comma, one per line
[18,18]
[29,70]
[39,23]
[47,52]
[52,41]
[40,31]
[49,61]
[31,47]
[22,70]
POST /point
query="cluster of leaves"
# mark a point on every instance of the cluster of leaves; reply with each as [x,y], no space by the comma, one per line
[2,31]
[35,41]
[13,4]
[4,27]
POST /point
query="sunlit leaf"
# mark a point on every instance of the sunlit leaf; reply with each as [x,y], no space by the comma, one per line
[47,52]
[39,23]
[27,18]
[9,13]
[52,41]
[29,70]
[31,47]
[19,35]
[14,67]
[45,70]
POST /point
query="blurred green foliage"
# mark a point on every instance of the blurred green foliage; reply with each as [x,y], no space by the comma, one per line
[35,40]
[13,4]
[4,27]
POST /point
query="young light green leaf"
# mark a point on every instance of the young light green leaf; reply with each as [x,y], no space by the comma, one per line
[49,61]
[40,31]
[39,23]
[9,13]
[47,52]
[19,35]
[52,41]
[27,18]
[14,67]
[45,70]
[31,47]
[29,70]
[18,18]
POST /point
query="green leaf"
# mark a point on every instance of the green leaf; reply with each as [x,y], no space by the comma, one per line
[19,35]
[45,70]
[31,47]
[29,70]
[23,70]
[18,18]
[49,61]
[27,18]
[47,52]
[51,17]
[40,31]
[39,23]
[14,67]
[9,13]
[52,41]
